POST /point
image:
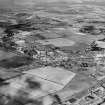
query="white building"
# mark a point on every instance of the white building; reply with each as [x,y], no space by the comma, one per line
[100,44]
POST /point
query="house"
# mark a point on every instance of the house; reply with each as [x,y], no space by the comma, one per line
[100,44]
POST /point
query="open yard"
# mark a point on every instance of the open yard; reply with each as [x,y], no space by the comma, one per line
[58,42]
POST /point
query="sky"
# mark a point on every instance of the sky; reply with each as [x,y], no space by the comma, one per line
[7,3]
[31,1]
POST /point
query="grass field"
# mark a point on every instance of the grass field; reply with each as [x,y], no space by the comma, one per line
[56,75]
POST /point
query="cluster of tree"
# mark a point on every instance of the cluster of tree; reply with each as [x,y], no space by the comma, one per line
[67,64]
[7,41]
[93,47]
[29,51]
[91,29]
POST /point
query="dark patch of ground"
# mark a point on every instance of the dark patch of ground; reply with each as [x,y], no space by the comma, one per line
[15,62]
